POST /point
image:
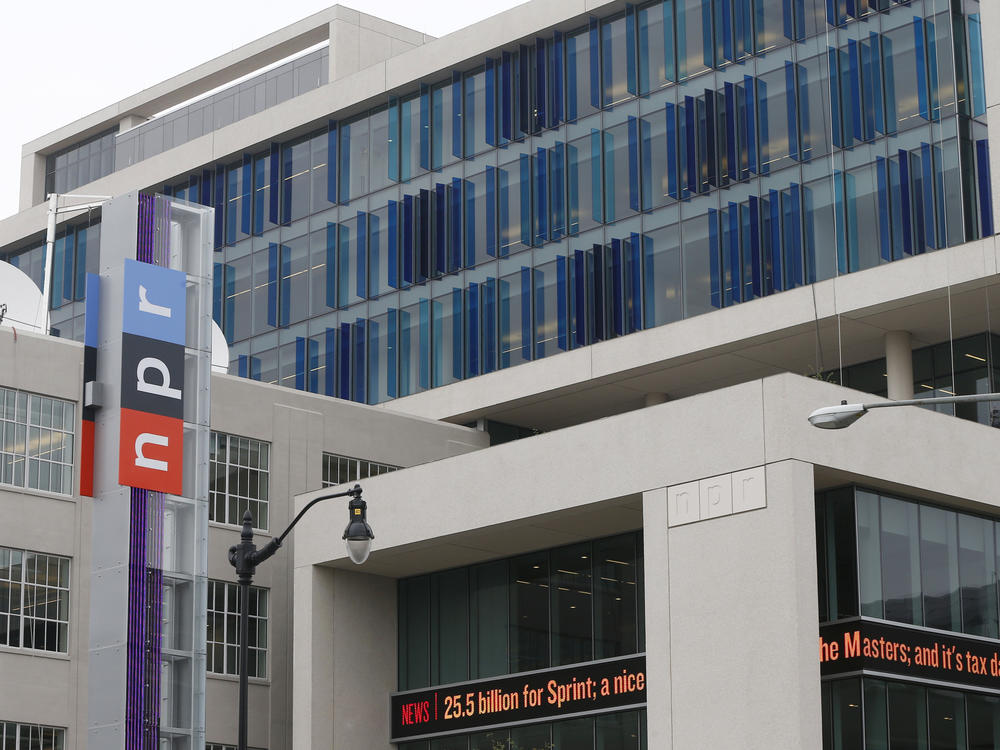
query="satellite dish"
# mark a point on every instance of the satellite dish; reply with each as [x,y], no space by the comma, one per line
[220,350]
[20,300]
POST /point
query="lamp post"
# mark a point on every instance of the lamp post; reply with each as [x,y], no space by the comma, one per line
[845,414]
[245,557]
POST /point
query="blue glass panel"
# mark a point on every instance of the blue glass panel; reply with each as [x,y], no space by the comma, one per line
[731,276]
[906,221]
[594,58]
[749,118]
[358,350]
[491,211]
[456,115]
[939,197]
[557,194]
[422,239]
[579,305]
[671,137]
[921,60]
[407,244]
[978,80]
[439,232]
[690,137]
[376,360]
[425,343]
[275,182]
[472,324]
[524,168]
[793,236]
[522,89]
[491,112]
[490,325]
[541,212]
[732,165]
[330,362]
[876,84]
[791,101]
[425,127]
[241,365]
[272,284]
[361,270]
[392,359]
[927,193]
[392,245]
[300,363]
[708,136]
[836,110]
[455,223]
[885,244]
[562,303]
[557,74]
[540,110]
[246,204]
[526,312]
[633,290]
[774,241]
[716,282]
[630,50]
[854,77]
[756,265]
[933,100]
[506,97]
[598,295]
[985,194]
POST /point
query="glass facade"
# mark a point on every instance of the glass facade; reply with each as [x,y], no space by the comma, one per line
[80,163]
[653,165]
[36,441]
[543,609]
[874,714]
[889,558]
[625,730]
[894,559]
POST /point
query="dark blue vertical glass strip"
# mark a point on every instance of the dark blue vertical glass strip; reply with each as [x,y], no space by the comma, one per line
[787,21]
[595,65]
[875,82]
[456,114]
[344,362]
[425,126]
[774,243]
[361,278]
[708,136]
[750,122]
[836,111]
[633,163]
[455,224]
[690,117]
[617,287]
[422,241]
[358,361]
[763,130]
[439,231]
[558,190]
[300,363]
[241,365]
[598,294]
[634,264]
[540,110]
[217,296]
[809,233]
[472,323]
[556,72]
[715,262]
[793,233]
[730,104]
[985,194]
[424,369]
[596,188]
[867,91]
[330,365]
[921,55]
[707,38]
[229,308]
[285,290]
[671,115]
[490,325]
[219,203]
[392,246]
[853,60]
[538,294]
[541,212]
[391,365]
[491,102]
[312,365]
[469,192]
[286,188]
[905,201]
[927,179]
[933,102]
[246,194]
[375,341]
[506,115]
[791,101]
[562,303]
[526,312]
[491,211]
[331,265]
[580,297]
[756,265]
[275,182]
[805,143]
[272,284]
[631,59]
[333,169]
[205,191]
[407,244]
[395,140]
[522,92]
[882,177]
[732,252]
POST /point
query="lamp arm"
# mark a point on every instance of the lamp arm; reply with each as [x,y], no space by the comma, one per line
[355,491]
[969,398]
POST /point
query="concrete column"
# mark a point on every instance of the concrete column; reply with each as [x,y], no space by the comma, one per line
[130,121]
[899,365]
[659,717]
[652,399]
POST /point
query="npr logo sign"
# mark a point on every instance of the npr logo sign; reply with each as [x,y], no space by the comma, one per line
[152,389]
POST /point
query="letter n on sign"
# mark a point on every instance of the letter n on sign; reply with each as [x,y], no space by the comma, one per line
[152,388]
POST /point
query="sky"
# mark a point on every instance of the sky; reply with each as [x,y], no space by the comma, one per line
[63,59]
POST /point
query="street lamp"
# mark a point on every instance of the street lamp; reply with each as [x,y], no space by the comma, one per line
[845,414]
[245,557]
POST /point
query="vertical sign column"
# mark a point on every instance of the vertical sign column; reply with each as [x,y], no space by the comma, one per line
[152,378]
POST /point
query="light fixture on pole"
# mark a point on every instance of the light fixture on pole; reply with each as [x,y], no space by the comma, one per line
[845,414]
[245,557]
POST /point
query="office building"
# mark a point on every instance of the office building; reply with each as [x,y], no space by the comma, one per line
[560,289]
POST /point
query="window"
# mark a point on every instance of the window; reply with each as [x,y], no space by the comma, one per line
[223,637]
[343,469]
[34,600]
[31,737]
[548,608]
[238,479]
[36,441]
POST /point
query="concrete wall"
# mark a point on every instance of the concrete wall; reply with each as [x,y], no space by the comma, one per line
[39,686]
[300,427]
[730,577]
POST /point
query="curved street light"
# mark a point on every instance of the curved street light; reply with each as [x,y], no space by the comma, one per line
[245,557]
[845,414]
